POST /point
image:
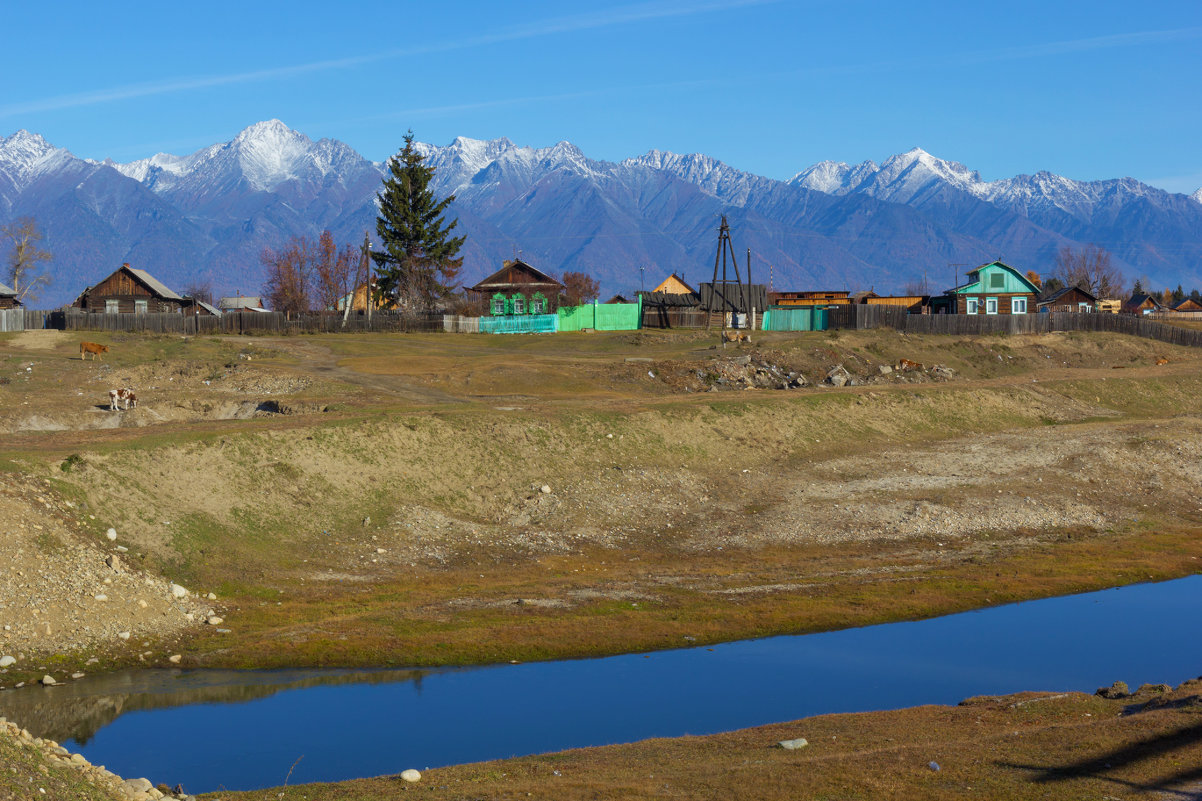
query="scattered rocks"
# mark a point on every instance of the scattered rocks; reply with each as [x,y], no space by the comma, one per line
[794,745]
[48,680]
[411,775]
[1116,690]
[214,620]
[7,660]
[934,766]
[545,489]
[838,376]
[175,659]
[111,534]
[178,592]
[114,562]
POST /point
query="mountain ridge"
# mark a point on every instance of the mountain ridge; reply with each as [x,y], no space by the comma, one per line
[207,215]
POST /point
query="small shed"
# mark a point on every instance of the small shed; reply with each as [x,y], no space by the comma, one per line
[130,291]
[994,288]
[517,288]
[8,298]
[1187,305]
[1068,299]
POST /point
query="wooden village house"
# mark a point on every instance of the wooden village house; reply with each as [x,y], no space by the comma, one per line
[517,288]
[130,291]
[1068,299]
[1187,305]
[8,298]
[993,288]
[1141,304]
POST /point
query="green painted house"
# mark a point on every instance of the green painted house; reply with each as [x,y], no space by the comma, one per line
[994,288]
[518,289]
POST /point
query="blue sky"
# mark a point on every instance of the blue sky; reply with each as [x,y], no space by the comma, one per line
[1084,89]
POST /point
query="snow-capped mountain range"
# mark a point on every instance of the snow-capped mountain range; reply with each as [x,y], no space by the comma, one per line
[206,217]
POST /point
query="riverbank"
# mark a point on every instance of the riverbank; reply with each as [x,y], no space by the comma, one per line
[397,502]
[1008,748]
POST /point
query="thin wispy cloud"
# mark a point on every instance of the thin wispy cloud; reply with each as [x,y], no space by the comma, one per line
[622,15]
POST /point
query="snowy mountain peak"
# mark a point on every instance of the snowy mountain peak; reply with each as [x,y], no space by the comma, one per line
[24,155]
[1197,195]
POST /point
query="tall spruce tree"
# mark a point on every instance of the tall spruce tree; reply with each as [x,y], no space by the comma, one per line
[419,261]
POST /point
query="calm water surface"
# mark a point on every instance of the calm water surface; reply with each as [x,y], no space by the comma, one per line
[210,730]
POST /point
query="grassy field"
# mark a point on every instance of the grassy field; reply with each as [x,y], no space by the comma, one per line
[375,500]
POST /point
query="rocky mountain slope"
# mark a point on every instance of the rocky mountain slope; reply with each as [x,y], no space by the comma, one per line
[207,216]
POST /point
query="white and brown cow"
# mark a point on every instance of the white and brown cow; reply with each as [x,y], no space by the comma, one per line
[125,396]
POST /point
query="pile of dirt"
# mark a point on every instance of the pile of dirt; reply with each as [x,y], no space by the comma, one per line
[62,590]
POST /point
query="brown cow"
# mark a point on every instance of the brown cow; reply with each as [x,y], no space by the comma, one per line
[906,364]
[1162,360]
[735,336]
[91,347]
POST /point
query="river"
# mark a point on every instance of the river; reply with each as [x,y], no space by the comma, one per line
[212,730]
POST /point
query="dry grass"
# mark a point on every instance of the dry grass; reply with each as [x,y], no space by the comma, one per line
[1012,748]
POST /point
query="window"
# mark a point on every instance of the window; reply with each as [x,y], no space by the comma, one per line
[1018,305]
[519,304]
[538,303]
[498,305]
[997,280]
[140,306]
[991,305]
[974,306]
[110,306]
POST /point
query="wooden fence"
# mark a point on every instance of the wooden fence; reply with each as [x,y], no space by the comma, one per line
[277,323]
[977,324]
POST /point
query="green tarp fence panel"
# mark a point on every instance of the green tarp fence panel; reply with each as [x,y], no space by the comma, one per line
[520,324]
[602,317]
[783,318]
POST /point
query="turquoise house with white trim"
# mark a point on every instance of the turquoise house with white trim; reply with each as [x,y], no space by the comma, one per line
[995,288]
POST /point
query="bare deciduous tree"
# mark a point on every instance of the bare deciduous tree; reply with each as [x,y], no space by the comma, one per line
[289,273]
[26,258]
[333,271]
[1090,269]
[200,289]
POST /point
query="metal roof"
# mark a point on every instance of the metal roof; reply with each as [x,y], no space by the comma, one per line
[4,290]
[155,284]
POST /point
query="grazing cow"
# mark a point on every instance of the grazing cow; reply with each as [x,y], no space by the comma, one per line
[91,347]
[735,336]
[906,364]
[125,395]
[1162,360]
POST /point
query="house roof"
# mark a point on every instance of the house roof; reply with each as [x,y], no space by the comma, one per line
[1188,303]
[1135,301]
[674,285]
[4,290]
[207,307]
[240,302]
[974,278]
[1052,297]
[512,269]
[155,284]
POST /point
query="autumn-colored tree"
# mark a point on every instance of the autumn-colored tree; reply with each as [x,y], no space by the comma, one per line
[289,273]
[1090,269]
[24,262]
[1035,278]
[333,271]
[578,287]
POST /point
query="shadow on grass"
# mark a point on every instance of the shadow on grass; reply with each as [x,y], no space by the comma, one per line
[1131,756]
